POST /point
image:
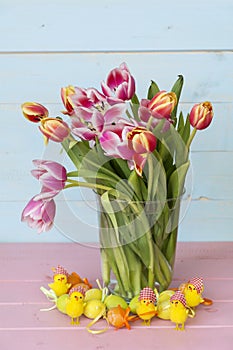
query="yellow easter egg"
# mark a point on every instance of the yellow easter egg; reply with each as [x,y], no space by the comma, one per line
[163,304]
[93,293]
[94,308]
[165,295]
[134,304]
[115,300]
[62,302]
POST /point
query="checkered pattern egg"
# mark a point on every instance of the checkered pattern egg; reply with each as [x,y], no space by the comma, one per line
[179,296]
[197,282]
[59,270]
[77,289]
[147,294]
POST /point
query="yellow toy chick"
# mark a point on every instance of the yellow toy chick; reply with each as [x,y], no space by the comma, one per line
[192,292]
[146,308]
[60,285]
[178,311]
[75,305]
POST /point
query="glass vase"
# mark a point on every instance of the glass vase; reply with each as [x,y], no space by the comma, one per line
[138,244]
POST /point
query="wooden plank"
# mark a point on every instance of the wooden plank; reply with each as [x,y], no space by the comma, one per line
[15,259]
[219,314]
[21,318]
[203,220]
[146,339]
[140,26]
[39,77]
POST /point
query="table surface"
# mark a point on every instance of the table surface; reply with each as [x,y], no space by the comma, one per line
[26,267]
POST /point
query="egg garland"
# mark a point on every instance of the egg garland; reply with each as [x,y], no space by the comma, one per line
[174,305]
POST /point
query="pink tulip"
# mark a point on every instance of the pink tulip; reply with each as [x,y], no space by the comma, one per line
[39,214]
[201,115]
[119,86]
[51,174]
[34,111]
[76,99]
[89,125]
[162,104]
[54,129]
[87,98]
[132,144]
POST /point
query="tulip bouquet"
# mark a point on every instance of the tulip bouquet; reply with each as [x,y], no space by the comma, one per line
[135,155]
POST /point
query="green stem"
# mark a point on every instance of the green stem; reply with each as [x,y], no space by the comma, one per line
[106,269]
[149,123]
[193,133]
[150,176]
[74,183]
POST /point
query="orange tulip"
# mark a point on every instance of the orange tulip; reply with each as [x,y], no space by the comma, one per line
[65,95]
[141,140]
[201,115]
[162,104]
[54,129]
[34,111]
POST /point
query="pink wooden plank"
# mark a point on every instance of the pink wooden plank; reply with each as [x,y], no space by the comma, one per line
[26,315]
[146,339]
[25,266]
[15,260]
[34,261]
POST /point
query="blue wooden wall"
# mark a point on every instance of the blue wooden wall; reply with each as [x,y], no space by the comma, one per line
[45,45]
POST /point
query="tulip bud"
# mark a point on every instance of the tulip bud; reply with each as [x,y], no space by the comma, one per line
[162,104]
[141,140]
[54,129]
[201,115]
[66,92]
[34,111]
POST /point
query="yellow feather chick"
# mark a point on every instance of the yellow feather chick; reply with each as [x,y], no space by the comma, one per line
[60,285]
[146,308]
[75,305]
[178,310]
[192,292]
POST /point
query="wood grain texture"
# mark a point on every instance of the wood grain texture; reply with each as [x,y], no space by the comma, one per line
[115,25]
[26,267]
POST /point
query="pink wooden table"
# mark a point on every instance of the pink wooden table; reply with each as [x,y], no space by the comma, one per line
[26,267]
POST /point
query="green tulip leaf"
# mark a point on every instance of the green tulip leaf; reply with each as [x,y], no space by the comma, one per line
[153,90]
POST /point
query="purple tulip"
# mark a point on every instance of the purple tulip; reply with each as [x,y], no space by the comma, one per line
[39,214]
[119,85]
[51,174]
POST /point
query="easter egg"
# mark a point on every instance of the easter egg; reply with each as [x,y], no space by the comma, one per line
[94,308]
[165,295]
[112,301]
[163,304]
[134,304]
[62,302]
[93,293]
